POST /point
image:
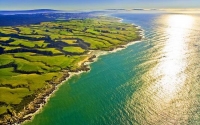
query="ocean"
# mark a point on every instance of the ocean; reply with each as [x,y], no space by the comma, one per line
[153,82]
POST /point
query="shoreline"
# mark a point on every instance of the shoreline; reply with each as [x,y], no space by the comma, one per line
[41,99]
[87,63]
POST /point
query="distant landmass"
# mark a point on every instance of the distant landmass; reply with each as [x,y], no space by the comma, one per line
[138,9]
[13,12]
[26,17]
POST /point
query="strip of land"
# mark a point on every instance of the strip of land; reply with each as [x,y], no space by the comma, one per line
[35,58]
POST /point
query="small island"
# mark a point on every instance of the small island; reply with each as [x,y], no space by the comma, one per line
[35,58]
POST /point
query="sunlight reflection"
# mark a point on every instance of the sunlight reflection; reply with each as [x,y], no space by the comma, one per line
[171,67]
[158,100]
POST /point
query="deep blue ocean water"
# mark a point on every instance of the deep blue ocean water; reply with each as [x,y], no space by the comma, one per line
[153,82]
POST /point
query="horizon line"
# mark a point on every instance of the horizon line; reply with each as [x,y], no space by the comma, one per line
[100,9]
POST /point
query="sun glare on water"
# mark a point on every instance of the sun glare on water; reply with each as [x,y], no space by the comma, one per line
[163,95]
[172,65]
[168,76]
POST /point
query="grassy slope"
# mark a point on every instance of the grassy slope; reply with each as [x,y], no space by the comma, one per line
[73,49]
[31,60]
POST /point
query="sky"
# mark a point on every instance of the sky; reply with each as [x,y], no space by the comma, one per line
[95,4]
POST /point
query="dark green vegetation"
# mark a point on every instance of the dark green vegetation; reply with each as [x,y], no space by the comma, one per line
[33,57]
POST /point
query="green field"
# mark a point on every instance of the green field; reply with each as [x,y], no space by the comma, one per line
[74,49]
[34,55]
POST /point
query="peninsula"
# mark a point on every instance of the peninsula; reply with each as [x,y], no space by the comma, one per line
[35,58]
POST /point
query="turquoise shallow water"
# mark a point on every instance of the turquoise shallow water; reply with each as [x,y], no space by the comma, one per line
[153,82]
